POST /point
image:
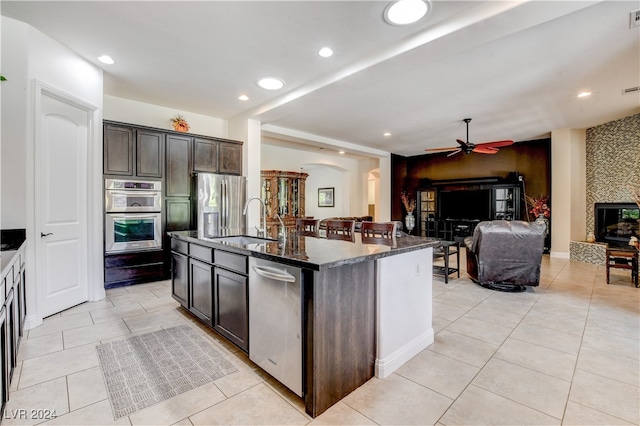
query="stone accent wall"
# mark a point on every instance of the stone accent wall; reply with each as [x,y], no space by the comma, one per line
[588,252]
[613,160]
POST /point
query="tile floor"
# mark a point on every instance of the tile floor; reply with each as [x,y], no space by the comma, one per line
[566,352]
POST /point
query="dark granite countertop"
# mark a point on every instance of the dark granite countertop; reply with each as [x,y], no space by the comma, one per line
[310,252]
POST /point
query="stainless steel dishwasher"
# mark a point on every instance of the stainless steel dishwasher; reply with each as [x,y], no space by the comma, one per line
[275,321]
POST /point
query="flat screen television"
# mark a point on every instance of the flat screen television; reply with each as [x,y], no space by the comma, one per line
[465,204]
[616,223]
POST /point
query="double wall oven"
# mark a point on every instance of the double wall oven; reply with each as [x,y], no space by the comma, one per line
[133,215]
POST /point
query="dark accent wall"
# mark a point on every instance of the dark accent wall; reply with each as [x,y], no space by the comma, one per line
[613,160]
[531,159]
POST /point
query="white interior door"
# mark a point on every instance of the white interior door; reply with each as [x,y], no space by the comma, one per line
[61,203]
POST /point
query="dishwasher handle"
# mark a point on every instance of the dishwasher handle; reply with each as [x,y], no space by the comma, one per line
[274,273]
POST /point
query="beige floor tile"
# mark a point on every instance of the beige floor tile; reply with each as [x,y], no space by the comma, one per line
[396,400]
[615,367]
[159,304]
[477,406]
[579,415]
[58,364]
[508,304]
[94,333]
[616,345]
[36,346]
[87,307]
[86,388]
[613,327]
[462,348]
[118,291]
[256,406]
[285,393]
[163,317]
[481,330]
[439,373]
[544,360]
[552,339]
[97,414]
[447,312]
[495,316]
[341,414]
[535,390]
[61,323]
[240,381]
[129,298]
[183,422]
[454,298]
[117,312]
[606,395]
[178,407]
[439,324]
[34,404]
[556,321]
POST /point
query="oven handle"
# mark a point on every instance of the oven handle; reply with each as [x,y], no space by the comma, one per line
[134,215]
[133,194]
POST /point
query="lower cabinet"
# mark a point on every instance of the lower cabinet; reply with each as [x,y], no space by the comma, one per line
[4,359]
[232,307]
[132,268]
[213,285]
[201,286]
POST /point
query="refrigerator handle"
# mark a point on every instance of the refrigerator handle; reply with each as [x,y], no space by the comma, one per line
[225,205]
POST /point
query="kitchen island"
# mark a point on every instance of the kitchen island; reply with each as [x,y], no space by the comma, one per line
[365,309]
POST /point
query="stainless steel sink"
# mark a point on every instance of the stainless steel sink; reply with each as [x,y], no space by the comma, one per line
[244,240]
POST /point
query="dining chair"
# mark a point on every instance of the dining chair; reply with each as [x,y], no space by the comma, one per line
[308,227]
[340,229]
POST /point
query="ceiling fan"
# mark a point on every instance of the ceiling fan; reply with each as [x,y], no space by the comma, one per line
[468,147]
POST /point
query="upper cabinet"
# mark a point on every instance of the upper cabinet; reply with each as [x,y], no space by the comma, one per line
[133,152]
[178,179]
[217,156]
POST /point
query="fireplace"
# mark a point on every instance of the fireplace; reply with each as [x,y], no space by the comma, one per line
[616,223]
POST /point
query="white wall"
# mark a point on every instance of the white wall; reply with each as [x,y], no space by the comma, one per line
[348,177]
[30,56]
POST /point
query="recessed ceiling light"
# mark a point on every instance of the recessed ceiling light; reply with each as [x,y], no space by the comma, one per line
[387,134]
[325,52]
[106,59]
[271,83]
[340,152]
[584,94]
[243,97]
[404,12]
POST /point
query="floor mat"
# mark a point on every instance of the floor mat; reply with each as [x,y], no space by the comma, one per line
[143,370]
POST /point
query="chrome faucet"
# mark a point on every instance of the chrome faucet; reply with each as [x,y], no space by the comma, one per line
[263,207]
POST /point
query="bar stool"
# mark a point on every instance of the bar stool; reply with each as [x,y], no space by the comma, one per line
[308,227]
[623,259]
[340,229]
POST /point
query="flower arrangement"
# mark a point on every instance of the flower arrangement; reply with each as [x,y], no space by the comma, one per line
[408,202]
[538,205]
[180,124]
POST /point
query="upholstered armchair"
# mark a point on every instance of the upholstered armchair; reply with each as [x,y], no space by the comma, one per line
[505,255]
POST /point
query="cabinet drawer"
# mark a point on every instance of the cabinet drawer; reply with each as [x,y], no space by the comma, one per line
[235,262]
[200,252]
[179,246]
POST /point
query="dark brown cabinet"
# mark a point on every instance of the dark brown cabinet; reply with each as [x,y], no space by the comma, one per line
[149,153]
[178,214]
[129,268]
[178,166]
[4,359]
[230,158]
[133,152]
[180,280]
[231,317]
[201,290]
[205,155]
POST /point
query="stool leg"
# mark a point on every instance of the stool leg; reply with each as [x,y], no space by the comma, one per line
[607,271]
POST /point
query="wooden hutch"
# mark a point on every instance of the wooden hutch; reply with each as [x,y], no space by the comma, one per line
[283,195]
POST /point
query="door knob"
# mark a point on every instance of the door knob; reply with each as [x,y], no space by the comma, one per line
[42,235]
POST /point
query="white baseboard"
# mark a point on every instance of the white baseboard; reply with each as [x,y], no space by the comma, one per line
[385,367]
[32,321]
[559,254]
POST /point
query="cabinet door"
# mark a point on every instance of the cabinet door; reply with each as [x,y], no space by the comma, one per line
[4,360]
[201,290]
[118,150]
[178,214]
[149,150]
[178,163]
[230,158]
[205,156]
[180,278]
[232,307]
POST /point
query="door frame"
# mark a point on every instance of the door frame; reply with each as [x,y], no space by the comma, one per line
[94,226]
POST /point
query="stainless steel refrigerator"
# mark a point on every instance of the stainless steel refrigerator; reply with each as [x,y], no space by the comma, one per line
[220,202]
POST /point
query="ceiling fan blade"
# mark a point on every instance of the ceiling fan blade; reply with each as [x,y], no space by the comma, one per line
[440,149]
[485,150]
[455,152]
[463,144]
[495,144]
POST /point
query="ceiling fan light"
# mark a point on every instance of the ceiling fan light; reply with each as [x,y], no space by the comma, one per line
[404,12]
